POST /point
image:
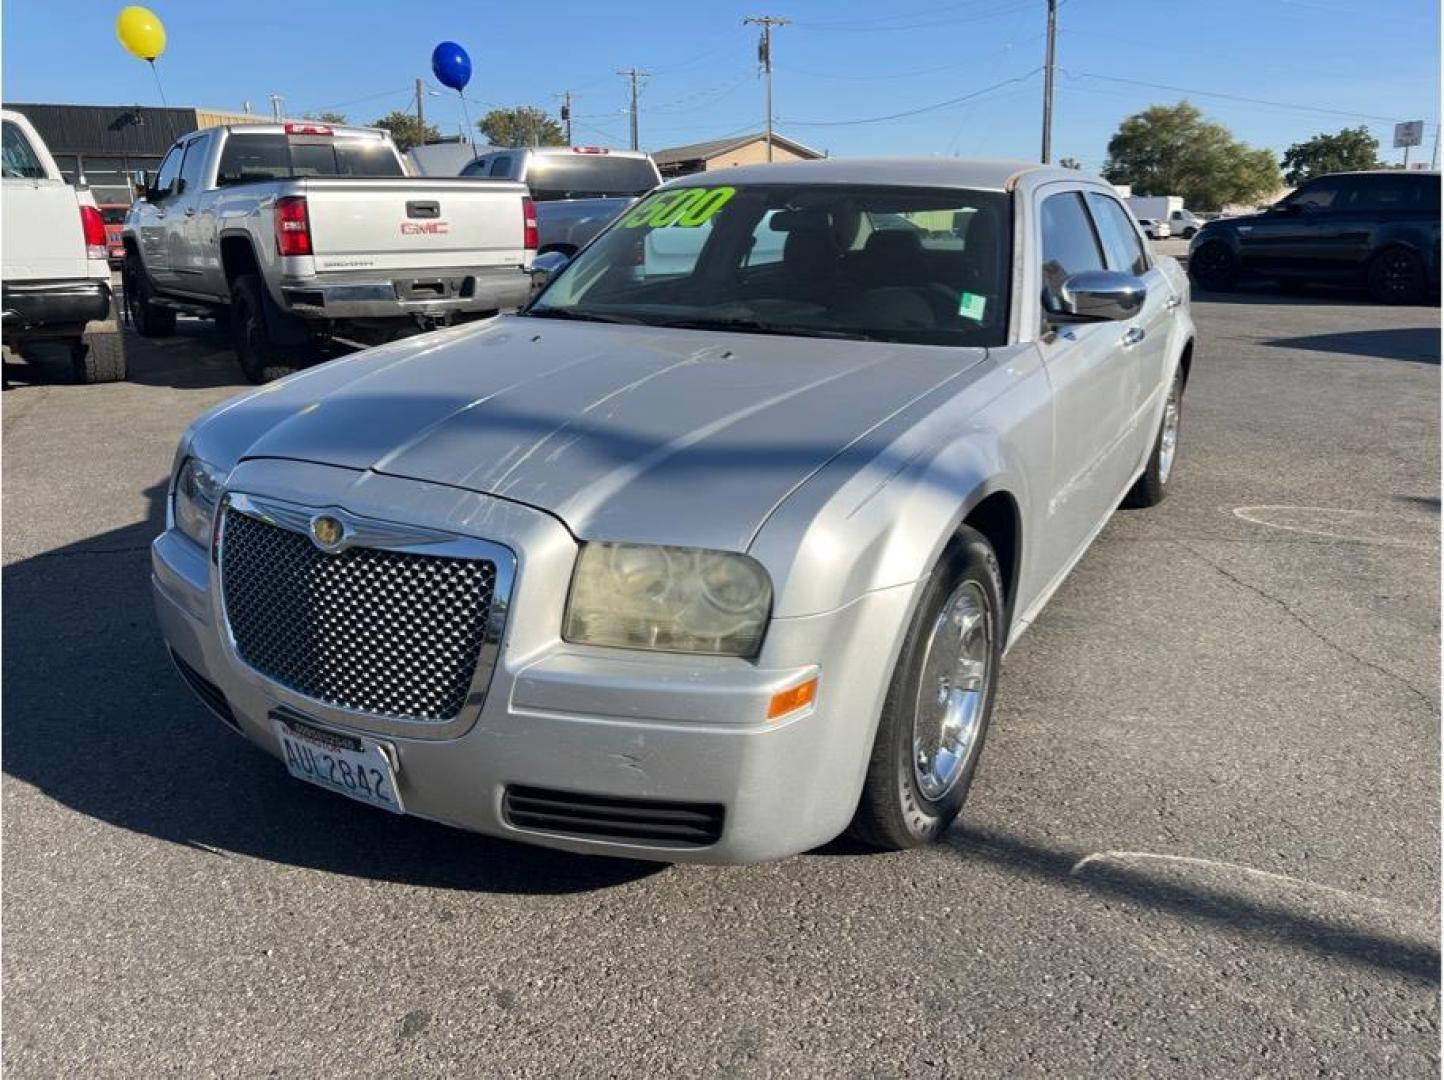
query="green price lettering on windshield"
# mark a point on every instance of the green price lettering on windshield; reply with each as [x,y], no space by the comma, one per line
[687,208]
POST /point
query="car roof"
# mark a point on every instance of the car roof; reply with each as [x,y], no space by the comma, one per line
[977,174]
[1377,172]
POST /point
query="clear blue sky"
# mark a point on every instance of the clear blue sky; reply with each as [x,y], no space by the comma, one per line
[841,60]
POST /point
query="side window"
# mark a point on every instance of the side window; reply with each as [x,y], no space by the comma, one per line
[1386,193]
[475,168]
[1120,239]
[501,166]
[169,171]
[1069,244]
[194,163]
[19,159]
[1317,195]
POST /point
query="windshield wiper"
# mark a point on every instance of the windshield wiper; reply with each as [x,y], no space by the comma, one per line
[754,326]
[582,316]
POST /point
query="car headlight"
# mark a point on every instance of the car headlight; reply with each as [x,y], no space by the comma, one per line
[194,497]
[671,599]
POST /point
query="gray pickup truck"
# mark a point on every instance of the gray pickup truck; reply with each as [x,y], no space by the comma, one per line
[301,232]
[578,190]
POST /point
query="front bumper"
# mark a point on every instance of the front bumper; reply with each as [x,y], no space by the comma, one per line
[433,295]
[69,303]
[595,722]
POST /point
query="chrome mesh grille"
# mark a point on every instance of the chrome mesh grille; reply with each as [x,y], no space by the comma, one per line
[389,633]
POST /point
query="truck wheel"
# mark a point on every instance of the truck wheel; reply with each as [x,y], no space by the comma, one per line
[98,359]
[1214,266]
[148,319]
[938,704]
[1397,276]
[251,334]
[1189,233]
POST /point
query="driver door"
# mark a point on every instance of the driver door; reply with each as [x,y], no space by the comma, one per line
[152,219]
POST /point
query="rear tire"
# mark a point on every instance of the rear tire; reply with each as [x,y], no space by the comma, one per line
[149,320]
[1189,233]
[939,702]
[98,359]
[1397,276]
[1214,266]
[1150,488]
[251,333]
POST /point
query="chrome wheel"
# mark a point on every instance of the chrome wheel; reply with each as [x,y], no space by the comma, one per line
[1168,437]
[952,690]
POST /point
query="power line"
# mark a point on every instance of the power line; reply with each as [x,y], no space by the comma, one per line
[1229,97]
[914,112]
[971,62]
[882,27]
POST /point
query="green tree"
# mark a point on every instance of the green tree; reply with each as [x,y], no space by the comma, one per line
[326,117]
[523,125]
[1173,150]
[1069,163]
[1348,150]
[405,131]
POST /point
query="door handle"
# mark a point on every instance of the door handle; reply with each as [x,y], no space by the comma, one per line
[1133,337]
[1172,302]
[191,212]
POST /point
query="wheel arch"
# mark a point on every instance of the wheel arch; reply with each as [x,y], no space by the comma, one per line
[238,257]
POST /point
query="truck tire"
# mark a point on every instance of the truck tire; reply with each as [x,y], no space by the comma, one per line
[938,704]
[149,320]
[251,332]
[98,359]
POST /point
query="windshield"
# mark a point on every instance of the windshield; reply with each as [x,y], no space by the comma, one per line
[871,263]
[582,176]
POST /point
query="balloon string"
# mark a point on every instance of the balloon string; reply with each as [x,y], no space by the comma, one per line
[164,104]
[470,131]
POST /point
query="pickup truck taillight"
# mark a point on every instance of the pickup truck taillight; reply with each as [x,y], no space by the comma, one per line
[94,227]
[529,229]
[293,226]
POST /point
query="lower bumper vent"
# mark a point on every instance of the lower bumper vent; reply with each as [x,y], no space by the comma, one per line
[599,817]
[209,693]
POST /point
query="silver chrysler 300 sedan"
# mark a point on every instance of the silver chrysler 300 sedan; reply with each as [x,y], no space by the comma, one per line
[714,551]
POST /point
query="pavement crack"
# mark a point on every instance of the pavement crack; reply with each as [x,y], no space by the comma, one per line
[1288,609]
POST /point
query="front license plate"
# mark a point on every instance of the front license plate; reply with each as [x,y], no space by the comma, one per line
[347,764]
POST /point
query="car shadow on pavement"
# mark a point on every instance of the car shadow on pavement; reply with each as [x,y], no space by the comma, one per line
[1220,898]
[1255,292]
[1419,344]
[96,718]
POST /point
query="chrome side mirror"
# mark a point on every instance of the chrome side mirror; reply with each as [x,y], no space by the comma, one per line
[547,266]
[1099,296]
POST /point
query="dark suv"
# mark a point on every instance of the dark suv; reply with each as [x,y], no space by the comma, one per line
[1377,229]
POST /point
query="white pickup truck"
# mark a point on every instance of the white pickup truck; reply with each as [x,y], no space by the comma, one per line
[298,232]
[56,278]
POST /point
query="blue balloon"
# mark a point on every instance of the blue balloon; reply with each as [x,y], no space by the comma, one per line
[451,65]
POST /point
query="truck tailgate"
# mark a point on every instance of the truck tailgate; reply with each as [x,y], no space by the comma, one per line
[411,223]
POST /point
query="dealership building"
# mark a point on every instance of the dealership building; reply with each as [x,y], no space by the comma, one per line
[105,144]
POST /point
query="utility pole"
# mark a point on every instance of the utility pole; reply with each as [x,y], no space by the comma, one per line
[1048,82]
[634,75]
[276,100]
[420,114]
[764,56]
[567,114]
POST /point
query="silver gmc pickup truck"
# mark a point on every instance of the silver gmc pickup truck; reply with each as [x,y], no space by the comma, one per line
[706,559]
[297,232]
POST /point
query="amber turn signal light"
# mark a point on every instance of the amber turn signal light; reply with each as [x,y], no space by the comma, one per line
[789,701]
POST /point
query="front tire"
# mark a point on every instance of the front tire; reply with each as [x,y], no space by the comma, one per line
[1214,266]
[251,333]
[939,703]
[149,320]
[1150,488]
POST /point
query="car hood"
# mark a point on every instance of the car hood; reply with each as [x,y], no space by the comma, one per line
[625,433]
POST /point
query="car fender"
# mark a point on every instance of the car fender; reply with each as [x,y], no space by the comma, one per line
[880,514]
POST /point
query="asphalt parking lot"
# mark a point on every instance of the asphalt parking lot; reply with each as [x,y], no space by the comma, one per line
[1203,841]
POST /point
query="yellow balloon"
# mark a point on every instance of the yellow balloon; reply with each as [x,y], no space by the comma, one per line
[141,32]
